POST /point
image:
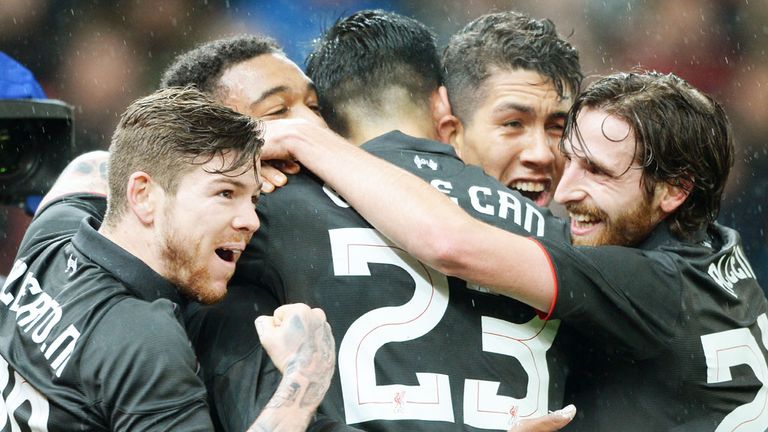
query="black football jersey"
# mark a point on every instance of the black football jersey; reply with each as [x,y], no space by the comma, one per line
[416,350]
[90,337]
[669,336]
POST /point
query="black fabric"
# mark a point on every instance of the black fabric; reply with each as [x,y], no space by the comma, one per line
[641,317]
[398,323]
[90,336]
[238,374]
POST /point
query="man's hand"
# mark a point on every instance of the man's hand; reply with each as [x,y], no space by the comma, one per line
[300,343]
[283,134]
[298,337]
[551,422]
[273,174]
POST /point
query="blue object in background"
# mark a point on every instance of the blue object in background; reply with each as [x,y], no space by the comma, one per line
[16,81]
[296,24]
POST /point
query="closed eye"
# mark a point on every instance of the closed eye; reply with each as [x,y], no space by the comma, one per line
[277,111]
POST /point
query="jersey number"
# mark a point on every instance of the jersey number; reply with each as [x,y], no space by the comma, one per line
[20,393]
[726,349]
[353,249]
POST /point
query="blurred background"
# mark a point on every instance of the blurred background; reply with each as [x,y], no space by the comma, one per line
[100,55]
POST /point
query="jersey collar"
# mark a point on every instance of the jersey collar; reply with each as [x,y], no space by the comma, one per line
[137,276]
[398,141]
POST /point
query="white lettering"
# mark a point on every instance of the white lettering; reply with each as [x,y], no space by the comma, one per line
[45,325]
[507,202]
[474,199]
[61,360]
[445,187]
[19,267]
[34,289]
[20,393]
[334,197]
[730,269]
[34,311]
[530,212]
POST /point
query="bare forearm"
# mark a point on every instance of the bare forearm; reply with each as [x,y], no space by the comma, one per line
[300,343]
[427,224]
[292,406]
[86,173]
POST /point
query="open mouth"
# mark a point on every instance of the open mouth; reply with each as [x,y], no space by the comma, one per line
[584,221]
[535,191]
[227,255]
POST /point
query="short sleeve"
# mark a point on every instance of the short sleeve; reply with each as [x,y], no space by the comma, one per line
[139,367]
[622,297]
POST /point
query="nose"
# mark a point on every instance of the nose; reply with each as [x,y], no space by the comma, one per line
[570,188]
[540,151]
[247,220]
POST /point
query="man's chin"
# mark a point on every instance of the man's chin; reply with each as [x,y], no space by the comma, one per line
[206,293]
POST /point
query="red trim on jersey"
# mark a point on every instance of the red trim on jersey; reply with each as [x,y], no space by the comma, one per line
[542,315]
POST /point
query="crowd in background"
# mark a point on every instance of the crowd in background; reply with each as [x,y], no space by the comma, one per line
[100,55]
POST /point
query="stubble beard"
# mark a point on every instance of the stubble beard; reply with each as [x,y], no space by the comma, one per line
[191,278]
[625,229]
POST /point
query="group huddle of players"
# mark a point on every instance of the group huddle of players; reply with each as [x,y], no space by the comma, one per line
[640,309]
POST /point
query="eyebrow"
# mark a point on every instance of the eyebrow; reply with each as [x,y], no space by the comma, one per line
[511,106]
[223,178]
[280,89]
[271,92]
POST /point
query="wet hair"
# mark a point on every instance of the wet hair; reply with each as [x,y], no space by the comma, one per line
[204,65]
[171,131]
[368,53]
[682,137]
[506,41]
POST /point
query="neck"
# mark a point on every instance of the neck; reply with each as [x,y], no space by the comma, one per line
[135,238]
[411,120]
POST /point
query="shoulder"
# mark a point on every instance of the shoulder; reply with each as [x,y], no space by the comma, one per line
[62,216]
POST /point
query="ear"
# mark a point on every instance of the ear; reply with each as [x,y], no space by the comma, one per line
[447,126]
[671,197]
[143,196]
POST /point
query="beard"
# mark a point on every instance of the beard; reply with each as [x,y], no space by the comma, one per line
[627,228]
[180,255]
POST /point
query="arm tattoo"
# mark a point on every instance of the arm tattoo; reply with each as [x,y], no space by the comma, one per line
[313,395]
[285,394]
[83,167]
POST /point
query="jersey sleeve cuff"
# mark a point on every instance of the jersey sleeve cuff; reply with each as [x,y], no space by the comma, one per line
[547,315]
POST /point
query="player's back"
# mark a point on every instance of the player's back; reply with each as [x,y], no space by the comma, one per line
[416,350]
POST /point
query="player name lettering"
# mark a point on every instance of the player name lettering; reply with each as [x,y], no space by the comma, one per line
[37,315]
[492,202]
[499,203]
[731,268]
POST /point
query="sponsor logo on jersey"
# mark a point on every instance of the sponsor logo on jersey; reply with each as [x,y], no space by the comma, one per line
[422,162]
[71,265]
[729,269]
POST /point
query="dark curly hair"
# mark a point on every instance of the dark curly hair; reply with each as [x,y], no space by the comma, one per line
[506,40]
[365,54]
[682,137]
[204,65]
